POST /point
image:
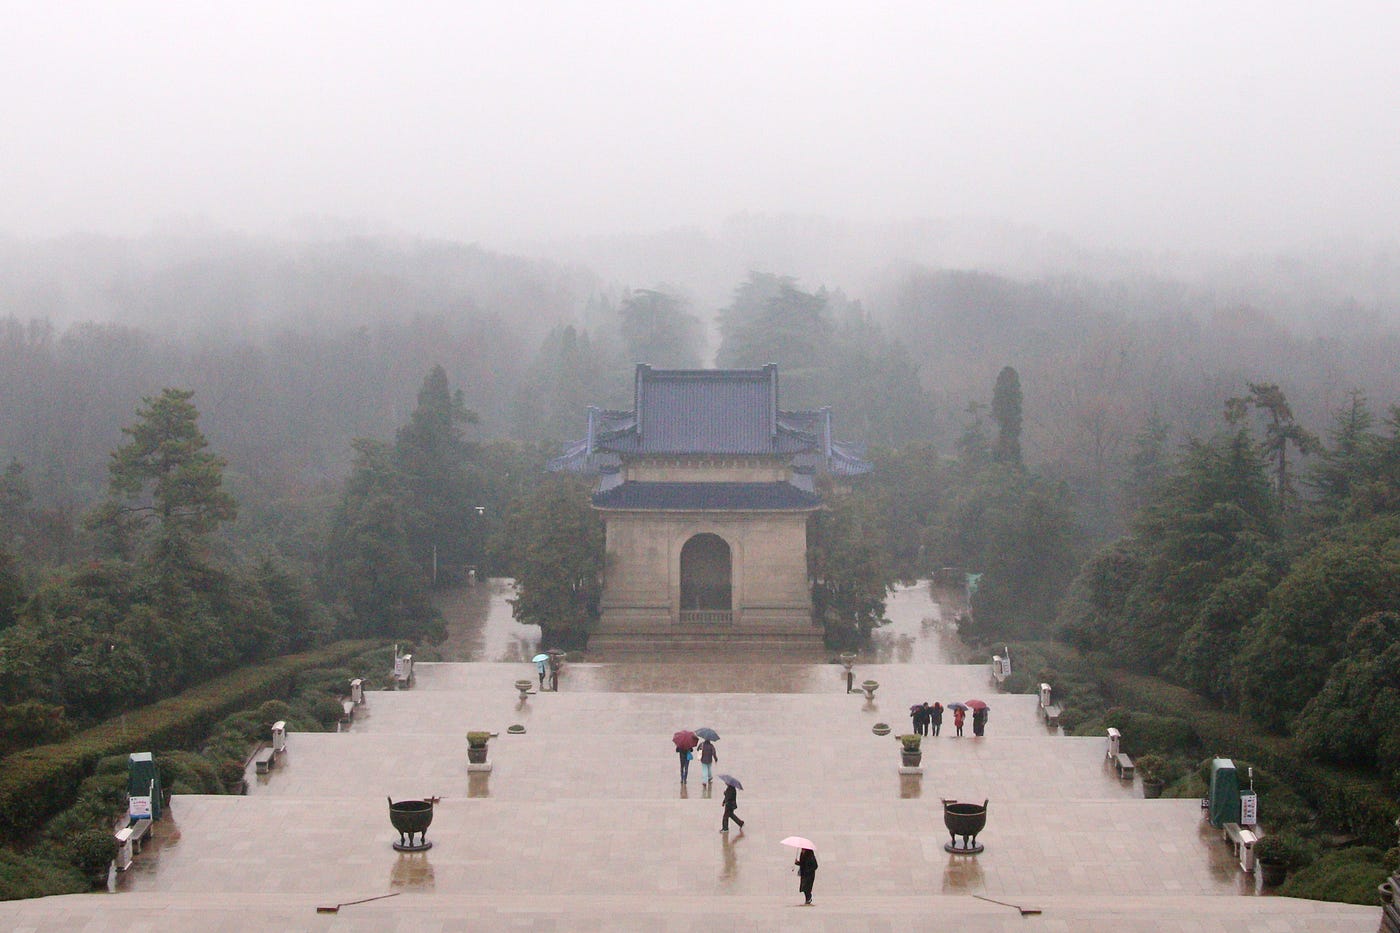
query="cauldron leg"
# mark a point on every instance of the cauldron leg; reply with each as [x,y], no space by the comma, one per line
[952,839]
[401,842]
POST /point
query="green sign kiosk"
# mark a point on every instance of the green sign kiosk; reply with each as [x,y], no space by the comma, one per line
[1224,792]
[142,787]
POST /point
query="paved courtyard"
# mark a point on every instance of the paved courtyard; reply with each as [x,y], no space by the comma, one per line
[583,823]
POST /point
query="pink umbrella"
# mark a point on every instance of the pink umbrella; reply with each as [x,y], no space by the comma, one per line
[976,704]
[797,842]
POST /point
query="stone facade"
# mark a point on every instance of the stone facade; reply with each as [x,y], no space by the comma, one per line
[706,489]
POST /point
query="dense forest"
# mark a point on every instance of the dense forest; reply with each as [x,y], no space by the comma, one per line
[1208,490]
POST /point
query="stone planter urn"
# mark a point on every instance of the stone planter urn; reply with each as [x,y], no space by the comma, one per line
[1273,872]
[910,753]
[848,659]
[1152,787]
[476,751]
[870,686]
[524,686]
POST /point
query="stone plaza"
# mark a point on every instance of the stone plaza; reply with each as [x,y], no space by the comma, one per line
[582,822]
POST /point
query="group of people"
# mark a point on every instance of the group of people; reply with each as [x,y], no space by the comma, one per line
[928,718]
[806,859]
[709,755]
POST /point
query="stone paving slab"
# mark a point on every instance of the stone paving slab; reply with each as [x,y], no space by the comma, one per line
[215,913]
[582,824]
[665,847]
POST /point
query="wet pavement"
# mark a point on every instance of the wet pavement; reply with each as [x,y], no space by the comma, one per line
[582,822]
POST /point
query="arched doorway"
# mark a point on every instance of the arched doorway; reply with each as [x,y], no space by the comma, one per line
[706,587]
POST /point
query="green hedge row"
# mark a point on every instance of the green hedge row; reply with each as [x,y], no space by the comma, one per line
[39,782]
[1352,801]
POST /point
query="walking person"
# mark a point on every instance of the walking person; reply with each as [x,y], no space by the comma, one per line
[919,715]
[731,803]
[979,722]
[539,666]
[708,756]
[935,717]
[685,756]
[806,873]
[959,717]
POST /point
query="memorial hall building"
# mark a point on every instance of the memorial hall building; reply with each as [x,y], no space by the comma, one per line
[705,488]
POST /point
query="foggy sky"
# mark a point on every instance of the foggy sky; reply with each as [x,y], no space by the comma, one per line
[1175,126]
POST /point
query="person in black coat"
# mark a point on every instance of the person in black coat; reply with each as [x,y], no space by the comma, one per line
[731,803]
[935,715]
[806,873]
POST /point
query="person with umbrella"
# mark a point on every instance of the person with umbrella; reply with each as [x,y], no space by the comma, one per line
[979,717]
[708,754]
[935,716]
[731,802]
[806,865]
[685,741]
[919,714]
[540,660]
[959,716]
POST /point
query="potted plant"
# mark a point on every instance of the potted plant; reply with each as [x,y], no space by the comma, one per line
[476,746]
[1153,769]
[910,753]
[1276,854]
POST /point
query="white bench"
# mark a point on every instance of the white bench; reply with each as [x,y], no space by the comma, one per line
[1243,840]
[263,760]
[1124,764]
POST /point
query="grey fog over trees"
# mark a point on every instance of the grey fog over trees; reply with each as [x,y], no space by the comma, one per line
[379,411]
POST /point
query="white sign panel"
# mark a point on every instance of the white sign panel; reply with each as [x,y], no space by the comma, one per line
[139,808]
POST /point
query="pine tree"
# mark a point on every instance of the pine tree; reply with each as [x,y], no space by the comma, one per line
[1006,409]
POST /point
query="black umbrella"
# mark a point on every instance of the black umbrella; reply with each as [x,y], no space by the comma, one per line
[705,732]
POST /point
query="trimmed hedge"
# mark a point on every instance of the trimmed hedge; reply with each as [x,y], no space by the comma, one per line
[39,782]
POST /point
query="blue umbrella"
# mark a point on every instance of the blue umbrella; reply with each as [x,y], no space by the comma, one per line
[708,734]
[956,706]
[540,657]
[731,780]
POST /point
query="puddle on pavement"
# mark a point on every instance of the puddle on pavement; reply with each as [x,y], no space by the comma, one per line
[412,872]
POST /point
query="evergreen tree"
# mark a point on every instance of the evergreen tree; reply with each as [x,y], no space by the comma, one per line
[434,461]
[555,551]
[1006,410]
[370,573]
[850,568]
[771,320]
[1281,432]
[164,472]
[658,328]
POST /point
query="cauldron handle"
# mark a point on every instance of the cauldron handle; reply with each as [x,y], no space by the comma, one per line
[391,801]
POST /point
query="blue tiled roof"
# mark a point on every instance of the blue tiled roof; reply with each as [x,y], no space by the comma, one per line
[708,412]
[704,497]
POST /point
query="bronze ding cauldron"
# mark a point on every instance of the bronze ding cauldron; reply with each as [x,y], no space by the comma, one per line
[965,820]
[409,817]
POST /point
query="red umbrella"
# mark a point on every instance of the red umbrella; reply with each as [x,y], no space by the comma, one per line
[685,740]
[976,704]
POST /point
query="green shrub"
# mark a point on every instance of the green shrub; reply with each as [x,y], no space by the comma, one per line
[1287,847]
[90,852]
[1150,732]
[1346,875]
[23,876]
[272,711]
